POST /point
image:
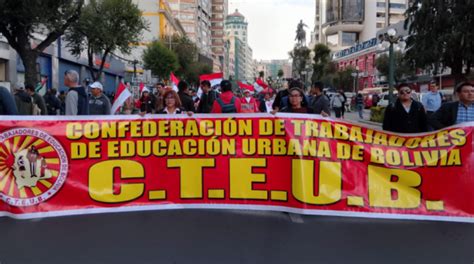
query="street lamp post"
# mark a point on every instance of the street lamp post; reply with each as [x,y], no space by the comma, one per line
[390,38]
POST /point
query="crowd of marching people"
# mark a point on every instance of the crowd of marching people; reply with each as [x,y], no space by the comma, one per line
[406,115]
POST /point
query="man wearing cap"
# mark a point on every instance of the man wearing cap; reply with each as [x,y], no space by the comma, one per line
[248,103]
[99,104]
[77,102]
[23,100]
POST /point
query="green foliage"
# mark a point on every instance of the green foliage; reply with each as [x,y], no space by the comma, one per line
[106,26]
[186,51]
[441,34]
[160,60]
[377,113]
[322,59]
[280,73]
[196,69]
[343,79]
[22,20]
[403,69]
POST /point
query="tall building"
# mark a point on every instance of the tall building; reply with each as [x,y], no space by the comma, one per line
[161,24]
[195,17]
[219,13]
[343,23]
[240,54]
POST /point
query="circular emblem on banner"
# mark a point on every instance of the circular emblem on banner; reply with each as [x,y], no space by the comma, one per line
[33,166]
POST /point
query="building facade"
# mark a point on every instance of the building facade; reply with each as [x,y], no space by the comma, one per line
[344,23]
[241,65]
[219,14]
[195,17]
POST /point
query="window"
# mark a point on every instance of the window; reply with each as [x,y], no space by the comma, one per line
[349,38]
[332,40]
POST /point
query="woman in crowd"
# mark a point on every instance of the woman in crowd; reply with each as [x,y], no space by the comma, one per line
[146,103]
[172,104]
[297,104]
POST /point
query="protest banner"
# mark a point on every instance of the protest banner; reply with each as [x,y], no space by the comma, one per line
[55,166]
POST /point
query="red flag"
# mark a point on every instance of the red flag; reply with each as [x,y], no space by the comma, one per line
[174,81]
[120,97]
[213,78]
[244,86]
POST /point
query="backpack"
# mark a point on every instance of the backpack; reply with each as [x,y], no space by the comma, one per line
[337,102]
[227,108]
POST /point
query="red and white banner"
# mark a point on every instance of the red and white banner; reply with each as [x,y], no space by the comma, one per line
[55,166]
[214,78]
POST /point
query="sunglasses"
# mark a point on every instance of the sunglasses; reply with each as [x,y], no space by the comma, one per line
[406,91]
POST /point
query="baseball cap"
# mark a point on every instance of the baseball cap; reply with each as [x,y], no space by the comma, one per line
[97,85]
[20,86]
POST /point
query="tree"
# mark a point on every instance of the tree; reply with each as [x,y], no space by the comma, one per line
[195,70]
[322,59]
[160,60]
[105,26]
[31,26]
[343,79]
[280,73]
[402,68]
[441,34]
[187,53]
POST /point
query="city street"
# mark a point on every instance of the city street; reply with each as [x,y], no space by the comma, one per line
[354,117]
[229,236]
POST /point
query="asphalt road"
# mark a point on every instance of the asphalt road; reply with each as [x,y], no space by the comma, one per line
[202,236]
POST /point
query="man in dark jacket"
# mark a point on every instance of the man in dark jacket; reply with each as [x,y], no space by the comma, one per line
[406,115]
[53,104]
[319,102]
[76,98]
[23,101]
[37,99]
[7,103]
[186,100]
[207,98]
[456,112]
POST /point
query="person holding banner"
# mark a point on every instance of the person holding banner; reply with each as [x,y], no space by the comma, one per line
[297,103]
[406,115]
[456,112]
[172,104]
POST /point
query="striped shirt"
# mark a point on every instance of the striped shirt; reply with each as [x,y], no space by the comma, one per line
[465,114]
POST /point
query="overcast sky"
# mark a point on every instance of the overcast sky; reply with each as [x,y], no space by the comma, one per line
[272,24]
